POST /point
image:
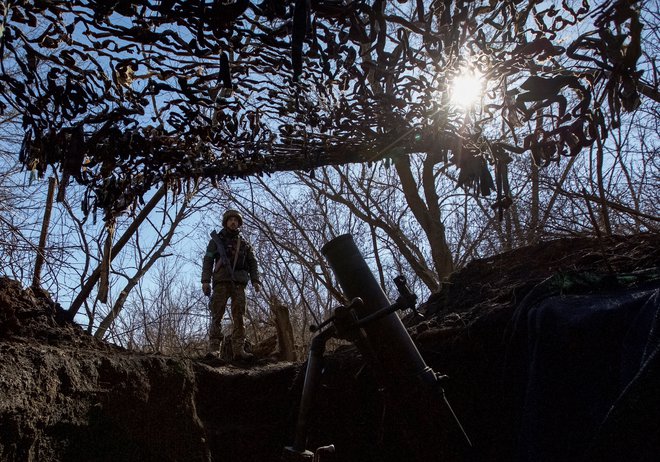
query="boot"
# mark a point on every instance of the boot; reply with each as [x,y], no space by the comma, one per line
[240,353]
[215,347]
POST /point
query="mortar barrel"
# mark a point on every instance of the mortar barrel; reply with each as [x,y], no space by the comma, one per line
[395,350]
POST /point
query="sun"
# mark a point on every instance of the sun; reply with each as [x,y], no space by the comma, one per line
[466,88]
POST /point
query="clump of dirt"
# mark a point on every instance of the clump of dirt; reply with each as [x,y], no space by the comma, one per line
[487,284]
[64,396]
[30,316]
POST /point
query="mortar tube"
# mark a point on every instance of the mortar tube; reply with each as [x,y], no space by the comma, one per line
[397,354]
[310,386]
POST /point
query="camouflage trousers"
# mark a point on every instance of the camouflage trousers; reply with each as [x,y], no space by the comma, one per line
[223,291]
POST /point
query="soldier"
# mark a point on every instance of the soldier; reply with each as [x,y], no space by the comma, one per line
[229,264]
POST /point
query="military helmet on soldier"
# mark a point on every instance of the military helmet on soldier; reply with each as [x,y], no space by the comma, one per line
[232,213]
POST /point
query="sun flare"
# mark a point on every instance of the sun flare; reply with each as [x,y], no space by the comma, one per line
[467,88]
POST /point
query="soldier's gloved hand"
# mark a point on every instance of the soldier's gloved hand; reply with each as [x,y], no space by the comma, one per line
[206,288]
[257,287]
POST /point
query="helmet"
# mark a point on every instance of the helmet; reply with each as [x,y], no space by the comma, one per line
[232,213]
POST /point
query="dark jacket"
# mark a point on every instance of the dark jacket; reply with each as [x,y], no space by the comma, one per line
[217,268]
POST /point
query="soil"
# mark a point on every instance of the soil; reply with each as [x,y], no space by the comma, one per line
[66,397]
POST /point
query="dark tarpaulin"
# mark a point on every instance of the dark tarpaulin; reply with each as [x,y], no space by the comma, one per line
[583,372]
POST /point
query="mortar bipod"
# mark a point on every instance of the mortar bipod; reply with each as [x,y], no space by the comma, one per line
[326,331]
[346,324]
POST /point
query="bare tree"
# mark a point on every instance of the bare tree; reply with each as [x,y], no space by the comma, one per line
[145,258]
[165,313]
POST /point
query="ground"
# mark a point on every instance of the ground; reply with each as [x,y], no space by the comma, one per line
[67,397]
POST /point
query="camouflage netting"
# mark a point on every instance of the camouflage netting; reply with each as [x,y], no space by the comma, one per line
[123,95]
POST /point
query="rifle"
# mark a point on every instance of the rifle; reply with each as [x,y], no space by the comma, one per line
[224,259]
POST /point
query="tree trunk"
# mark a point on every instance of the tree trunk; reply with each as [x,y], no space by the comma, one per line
[286,350]
[123,240]
[604,212]
[38,263]
[428,216]
[132,282]
[104,277]
[533,230]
